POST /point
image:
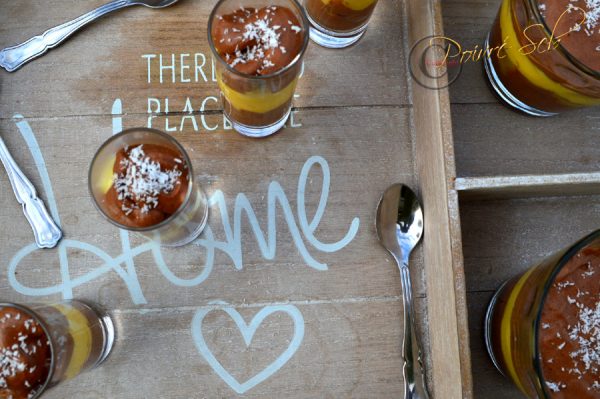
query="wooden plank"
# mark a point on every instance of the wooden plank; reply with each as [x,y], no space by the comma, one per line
[354,111]
[347,351]
[442,253]
[503,238]
[528,186]
[85,71]
[492,140]
[228,162]
[468,22]
[232,164]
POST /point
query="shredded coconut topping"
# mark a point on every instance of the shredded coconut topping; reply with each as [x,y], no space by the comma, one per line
[591,9]
[266,38]
[592,14]
[143,181]
[10,364]
[587,335]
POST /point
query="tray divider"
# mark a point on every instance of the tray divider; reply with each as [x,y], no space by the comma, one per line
[528,186]
[442,246]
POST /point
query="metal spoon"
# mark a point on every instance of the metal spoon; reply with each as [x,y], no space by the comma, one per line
[400,228]
[12,58]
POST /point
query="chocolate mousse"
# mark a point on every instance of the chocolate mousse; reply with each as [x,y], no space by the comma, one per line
[340,15]
[543,326]
[550,57]
[258,42]
[150,183]
[25,354]
[583,42]
[569,329]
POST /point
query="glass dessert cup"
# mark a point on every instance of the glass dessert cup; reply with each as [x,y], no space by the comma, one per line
[172,218]
[45,344]
[541,325]
[257,105]
[533,71]
[338,23]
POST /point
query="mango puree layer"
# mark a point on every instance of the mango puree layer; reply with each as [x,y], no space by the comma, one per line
[81,333]
[356,5]
[516,60]
[257,101]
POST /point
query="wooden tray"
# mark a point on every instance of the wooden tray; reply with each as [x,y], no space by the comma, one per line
[527,186]
[337,331]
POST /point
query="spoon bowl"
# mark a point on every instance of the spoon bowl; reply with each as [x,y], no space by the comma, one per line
[399,221]
[400,228]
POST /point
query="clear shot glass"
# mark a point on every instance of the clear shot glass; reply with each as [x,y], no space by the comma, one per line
[542,68]
[256,105]
[338,23]
[542,326]
[171,218]
[42,345]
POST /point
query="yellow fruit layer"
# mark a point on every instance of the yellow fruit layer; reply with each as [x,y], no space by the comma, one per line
[106,178]
[258,101]
[356,5]
[527,68]
[506,330]
[82,339]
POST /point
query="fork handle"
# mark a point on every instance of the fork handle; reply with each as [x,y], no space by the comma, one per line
[12,58]
[45,230]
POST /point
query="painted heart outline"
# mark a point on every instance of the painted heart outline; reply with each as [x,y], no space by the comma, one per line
[248,331]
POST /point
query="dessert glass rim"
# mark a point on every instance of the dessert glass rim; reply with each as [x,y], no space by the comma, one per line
[42,323]
[580,65]
[190,178]
[558,266]
[305,40]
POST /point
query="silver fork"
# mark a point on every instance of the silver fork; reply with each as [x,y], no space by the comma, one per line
[45,230]
[12,58]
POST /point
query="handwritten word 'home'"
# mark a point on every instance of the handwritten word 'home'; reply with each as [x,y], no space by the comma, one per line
[301,227]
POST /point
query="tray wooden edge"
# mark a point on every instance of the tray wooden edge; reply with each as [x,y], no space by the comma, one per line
[528,186]
[443,258]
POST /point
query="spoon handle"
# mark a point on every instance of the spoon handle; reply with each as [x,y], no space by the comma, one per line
[12,58]
[412,370]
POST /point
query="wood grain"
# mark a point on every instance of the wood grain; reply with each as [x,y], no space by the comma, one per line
[501,154]
[503,238]
[353,109]
[572,184]
[442,253]
[155,356]
[493,140]
[105,62]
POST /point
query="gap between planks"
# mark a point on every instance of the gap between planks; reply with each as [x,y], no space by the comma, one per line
[243,305]
[208,112]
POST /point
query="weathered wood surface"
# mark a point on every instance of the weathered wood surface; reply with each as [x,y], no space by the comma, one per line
[106,61]
[503,154]
[492,140]
[450,356]
[523,186]
[353,110]
[503,238]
